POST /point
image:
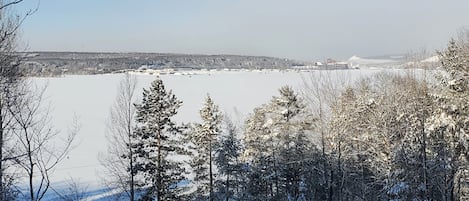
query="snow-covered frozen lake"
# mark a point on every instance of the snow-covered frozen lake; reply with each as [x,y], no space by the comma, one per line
[90,97]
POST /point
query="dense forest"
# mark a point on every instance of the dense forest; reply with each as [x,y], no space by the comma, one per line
[386,137]
[66,63]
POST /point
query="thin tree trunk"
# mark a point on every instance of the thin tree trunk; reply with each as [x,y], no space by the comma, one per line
[274,162]
[227,187]
[158,174]
[331,190]
[339,173]
[424,147]
[210,168]
[2,190]
[363,187]
[445,182]
[131,168]
[31,173]
[323,150]
[131,155]
[424,152]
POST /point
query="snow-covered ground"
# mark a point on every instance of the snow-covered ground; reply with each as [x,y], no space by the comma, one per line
[358,62]
[90,96]
[391,62]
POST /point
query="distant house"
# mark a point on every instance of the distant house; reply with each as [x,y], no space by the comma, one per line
[333,64]
[331,61]
[318,64]
[144,67]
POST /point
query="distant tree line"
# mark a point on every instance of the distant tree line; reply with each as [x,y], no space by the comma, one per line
[386,137]
[60,63]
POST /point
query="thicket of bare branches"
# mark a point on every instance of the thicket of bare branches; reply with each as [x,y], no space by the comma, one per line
[40,146]
[28,143]
[10,76]
[119,161]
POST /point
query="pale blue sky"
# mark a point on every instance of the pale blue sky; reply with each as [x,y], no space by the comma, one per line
[298,29]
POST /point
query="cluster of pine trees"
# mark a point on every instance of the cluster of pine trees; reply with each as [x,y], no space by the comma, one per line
[387,137]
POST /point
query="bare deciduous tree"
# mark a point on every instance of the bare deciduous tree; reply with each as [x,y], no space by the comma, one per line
[40,145]
[10,75]
[119,162]
[320,90]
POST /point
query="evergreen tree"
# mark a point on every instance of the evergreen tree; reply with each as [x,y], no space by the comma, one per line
[204,138]
[279,148]
[157,144]
[260,155]
[450,121]
[227,160]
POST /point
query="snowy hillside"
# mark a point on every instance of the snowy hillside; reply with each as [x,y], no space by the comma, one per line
[392,62]
[359,62]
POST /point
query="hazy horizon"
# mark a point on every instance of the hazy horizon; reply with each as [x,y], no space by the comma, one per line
[300,29]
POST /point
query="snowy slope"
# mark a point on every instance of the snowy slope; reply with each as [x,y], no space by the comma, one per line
[359,62]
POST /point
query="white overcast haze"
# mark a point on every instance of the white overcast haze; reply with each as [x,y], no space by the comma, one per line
[297,29]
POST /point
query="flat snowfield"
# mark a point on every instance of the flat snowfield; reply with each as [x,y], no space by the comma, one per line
[90,97]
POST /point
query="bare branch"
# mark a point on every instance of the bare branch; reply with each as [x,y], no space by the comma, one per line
[10,4]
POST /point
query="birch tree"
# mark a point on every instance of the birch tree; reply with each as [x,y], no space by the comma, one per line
[379,139]
[119,161]
[10,76]
[38,140]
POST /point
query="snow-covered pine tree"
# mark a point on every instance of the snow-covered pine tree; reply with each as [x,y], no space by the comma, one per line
[204,138]
[259,154]
[157,144]
[451,118]
[292,123]
[278,146]
[227,160]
